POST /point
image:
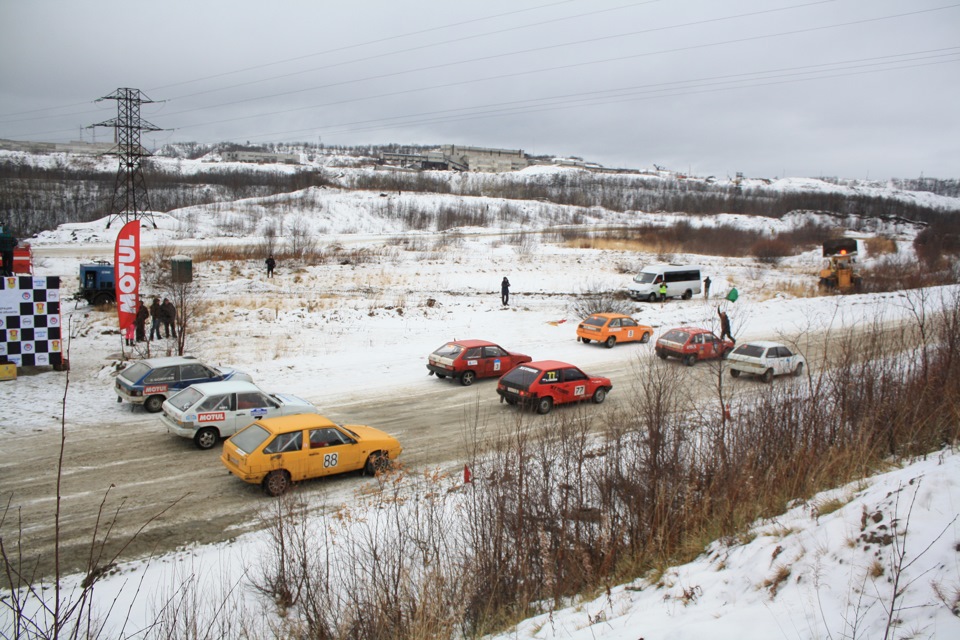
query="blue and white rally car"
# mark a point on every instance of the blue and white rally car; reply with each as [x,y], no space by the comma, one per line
[213,410]
[149,382]
[765,359]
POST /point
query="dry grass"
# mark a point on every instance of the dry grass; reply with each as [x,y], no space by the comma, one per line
[880,246]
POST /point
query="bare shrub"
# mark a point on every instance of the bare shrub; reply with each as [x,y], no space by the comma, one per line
[594,300]
[880,246]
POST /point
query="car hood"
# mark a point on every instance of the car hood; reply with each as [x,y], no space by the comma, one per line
[371,436]
[290,401]
[229,373]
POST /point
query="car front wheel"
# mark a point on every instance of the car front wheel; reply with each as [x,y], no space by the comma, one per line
[544,405]
[467,378]
[646,337]
[206,438]
[375,463]
[276,483]
[153,404]
[799,370]
[599,395]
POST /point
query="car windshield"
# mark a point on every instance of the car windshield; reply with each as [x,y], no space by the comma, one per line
[448,351]
[521,376]
[596,321]
[134,372]
[250,438]
[749,350]
[645,278]
[676,335]
[185,399]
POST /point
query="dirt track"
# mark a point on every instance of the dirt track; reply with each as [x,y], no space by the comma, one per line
[181,495]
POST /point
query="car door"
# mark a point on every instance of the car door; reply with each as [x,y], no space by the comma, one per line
[784,361]
[332,451]
[191,374]
[495,362]
[711,346]
[551,384]
[628,331]
[160,380]
[472,360]
[576,385]
[253,405]
[218,411]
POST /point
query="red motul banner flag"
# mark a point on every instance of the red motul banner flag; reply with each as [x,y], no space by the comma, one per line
[126,272]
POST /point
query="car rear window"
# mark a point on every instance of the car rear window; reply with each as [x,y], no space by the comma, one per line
[675,335]
[595,321]
[448,351]
[185,399]
[134,372]
[749,350]
[250,438]
[521,377]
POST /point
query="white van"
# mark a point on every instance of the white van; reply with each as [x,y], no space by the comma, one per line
[682,280]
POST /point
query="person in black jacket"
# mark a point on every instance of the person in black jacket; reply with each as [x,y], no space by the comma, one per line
[141,320]
[271,264]
[725,326]
[168,313]
[505,291]
[155,319]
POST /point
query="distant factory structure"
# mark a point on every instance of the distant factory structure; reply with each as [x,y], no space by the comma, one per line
[458,158]
[261,157]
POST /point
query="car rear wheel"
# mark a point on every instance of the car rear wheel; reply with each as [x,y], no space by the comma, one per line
[690,360]
[585,340]
[599,395]
[799,370]
[687,294]
[467,378]
[276,483]
[735,373]
[206,438]
[101,299]
[544,405]
[645,338]
[767,375]
[612,340]
[441,375]
[153,404]
[376,463]
[661,354]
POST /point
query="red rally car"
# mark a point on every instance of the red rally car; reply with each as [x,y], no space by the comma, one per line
[545,383]
[691,345]
[468,360]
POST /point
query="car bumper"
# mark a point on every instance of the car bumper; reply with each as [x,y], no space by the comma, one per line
[122,393]
[747,367]
[442,371]
[176,429]
[232,465]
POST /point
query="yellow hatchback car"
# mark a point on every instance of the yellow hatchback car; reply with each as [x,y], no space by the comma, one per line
[611,328]
[276,452]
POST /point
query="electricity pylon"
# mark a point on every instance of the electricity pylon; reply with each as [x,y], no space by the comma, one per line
[130,201]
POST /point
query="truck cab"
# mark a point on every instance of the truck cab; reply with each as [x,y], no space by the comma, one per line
[96,283]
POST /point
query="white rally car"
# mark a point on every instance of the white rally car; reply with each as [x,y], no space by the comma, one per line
[765,359]
[209,411]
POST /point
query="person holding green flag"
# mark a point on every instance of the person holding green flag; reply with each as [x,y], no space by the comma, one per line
[725,323]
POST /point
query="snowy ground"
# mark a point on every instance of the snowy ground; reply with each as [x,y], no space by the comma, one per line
[326,331]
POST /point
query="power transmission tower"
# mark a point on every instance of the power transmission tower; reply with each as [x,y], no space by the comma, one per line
[130,201]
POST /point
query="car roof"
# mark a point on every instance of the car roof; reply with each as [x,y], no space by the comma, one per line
[691,329]
[611,315]
[764,343]
[283,424]
[170,360]
[473,343]
[225,386]
[548,364]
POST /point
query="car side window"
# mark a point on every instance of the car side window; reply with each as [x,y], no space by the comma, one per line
[164,374]
[783,352]
[285,442]
[473,354]
[572,375]
[551,377]
[628,322]
[194,372]
[493,352]
[252,400]
[615,323]
[326,437]
[216,403]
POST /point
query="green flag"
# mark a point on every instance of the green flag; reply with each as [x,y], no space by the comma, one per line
[733,295]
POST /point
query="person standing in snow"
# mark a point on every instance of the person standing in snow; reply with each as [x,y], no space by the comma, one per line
[168,313]
[155,319]
[271,264]
[663,292]
[706,288]
[725,326]
[141,320]
[505,291]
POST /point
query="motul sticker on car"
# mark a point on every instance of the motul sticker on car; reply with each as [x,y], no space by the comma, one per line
[213,416]
[156,388]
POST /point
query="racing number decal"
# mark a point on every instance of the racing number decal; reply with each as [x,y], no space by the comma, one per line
[330,460]
[630,333]
[496,365]
[550,377]
[580,390]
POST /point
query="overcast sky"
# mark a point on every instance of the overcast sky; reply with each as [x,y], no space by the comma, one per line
[770,88]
